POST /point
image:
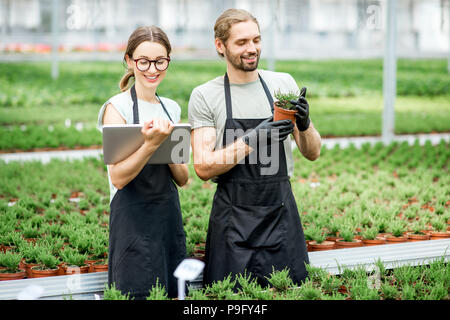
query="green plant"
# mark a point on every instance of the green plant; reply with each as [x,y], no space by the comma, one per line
[111,293]
[221,289]
[360,290]
[314,233]
[389,292]
[73,258]
[157,292]
[48,260]
[250,289]
[397,227]
[285,98]
[370,233]
[347,234]
[29,251]
[280,279]
[10,261]
[438,225]
[197,294]
[308,291]
[417,227]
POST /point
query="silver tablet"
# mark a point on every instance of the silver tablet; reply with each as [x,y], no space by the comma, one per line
[120,141]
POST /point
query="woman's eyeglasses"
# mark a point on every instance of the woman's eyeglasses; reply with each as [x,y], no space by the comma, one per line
[143,64]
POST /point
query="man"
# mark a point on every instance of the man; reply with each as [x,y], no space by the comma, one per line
[254,225]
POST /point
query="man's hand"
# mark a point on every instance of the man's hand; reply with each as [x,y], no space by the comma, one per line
[274,131]
[302,116]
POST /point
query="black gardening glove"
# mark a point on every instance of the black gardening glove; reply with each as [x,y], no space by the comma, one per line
[283,129]
[302,116]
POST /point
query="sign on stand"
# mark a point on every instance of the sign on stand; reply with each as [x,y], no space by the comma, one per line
[187,270]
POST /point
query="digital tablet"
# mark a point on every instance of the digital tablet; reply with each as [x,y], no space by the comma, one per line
[120,141]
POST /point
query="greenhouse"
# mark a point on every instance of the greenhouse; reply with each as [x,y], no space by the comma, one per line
[372,212]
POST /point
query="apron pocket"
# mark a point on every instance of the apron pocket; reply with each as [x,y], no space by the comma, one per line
[266,194]
[256,226]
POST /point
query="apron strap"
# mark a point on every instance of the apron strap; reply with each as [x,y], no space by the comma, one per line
[226,83]
[135,106]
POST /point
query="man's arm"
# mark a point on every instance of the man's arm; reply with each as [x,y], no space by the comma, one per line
[308,142]
[208,162]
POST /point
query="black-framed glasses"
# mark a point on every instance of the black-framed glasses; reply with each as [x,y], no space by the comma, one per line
[143,64]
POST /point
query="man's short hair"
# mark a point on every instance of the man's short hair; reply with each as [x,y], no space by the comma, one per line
[227,19]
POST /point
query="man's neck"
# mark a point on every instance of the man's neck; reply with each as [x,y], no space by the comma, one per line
[240,76]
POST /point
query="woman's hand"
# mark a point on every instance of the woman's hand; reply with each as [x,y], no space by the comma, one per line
[156,131]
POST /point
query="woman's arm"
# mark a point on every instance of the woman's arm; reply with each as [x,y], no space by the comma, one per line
[180,173]
[155,132]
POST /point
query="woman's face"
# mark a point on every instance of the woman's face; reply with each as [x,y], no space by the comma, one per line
[151,51]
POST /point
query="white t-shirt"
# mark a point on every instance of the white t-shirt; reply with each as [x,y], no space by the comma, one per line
[207,104]
[123,103]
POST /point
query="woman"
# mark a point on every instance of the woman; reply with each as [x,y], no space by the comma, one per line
[146,236]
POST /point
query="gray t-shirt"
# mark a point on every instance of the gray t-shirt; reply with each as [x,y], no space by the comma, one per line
[207,104]
[123,103]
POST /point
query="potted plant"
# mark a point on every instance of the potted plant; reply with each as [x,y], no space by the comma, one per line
[417,232]
[99,256]
[348,239]
[100,265]
[397,228]
[30,253]
[283,109]
[318,242]
[48,266]
[10,262]
[333,232]
[370,237]
[440,229]
[74,262]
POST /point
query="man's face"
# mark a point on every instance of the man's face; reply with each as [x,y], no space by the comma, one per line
[243,47]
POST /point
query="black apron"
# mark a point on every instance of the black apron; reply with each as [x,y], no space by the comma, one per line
[146,236]
[254,224]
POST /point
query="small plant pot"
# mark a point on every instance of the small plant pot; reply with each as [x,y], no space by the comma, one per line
[307,244]
[341,244]
[334,238]
[27,267]
[100,267]
[90,264]
[392,239]
[283,114]
[412,237]
[439,235]
[36,273]
[5,276]
[325,245]
[75,269]
[374,242]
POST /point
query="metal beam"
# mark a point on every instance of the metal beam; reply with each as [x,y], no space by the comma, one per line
[55,42]
[389,72]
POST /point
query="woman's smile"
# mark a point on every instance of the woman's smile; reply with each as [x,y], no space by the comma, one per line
[152,79]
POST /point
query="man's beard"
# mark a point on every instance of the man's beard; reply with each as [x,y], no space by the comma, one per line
[239,63]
